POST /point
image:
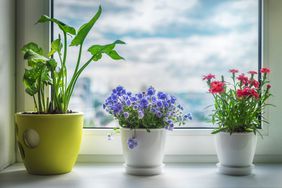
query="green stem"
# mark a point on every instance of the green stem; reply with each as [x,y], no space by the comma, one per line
[43,98]
[65,49]
[35,103]
[39,96]
[78,60]
[74,79]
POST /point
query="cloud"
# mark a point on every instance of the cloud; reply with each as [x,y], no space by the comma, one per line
[235,14]
[127,16]
[171,63]
[175,64]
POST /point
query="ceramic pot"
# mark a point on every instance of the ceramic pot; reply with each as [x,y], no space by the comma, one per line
[235,152]
[49,143]
[147,157]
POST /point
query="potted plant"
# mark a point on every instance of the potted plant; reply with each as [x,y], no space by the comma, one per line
[143,119]
[49,138]
[238,112]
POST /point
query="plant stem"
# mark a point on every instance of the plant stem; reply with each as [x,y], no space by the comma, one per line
[74,79]
[43,98]
[39,96]
[35,103]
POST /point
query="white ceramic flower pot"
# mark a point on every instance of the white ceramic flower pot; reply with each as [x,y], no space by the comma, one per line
[235,152]
[147,157]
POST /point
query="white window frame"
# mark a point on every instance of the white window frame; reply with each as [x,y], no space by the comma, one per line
[183,145]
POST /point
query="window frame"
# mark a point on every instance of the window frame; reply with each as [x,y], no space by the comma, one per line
[260,12]
[198,142]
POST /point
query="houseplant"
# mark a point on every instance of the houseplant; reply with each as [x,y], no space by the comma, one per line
[238,112]
[49,138]
[143,119]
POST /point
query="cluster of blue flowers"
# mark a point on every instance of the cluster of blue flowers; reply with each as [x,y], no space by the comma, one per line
[149,109]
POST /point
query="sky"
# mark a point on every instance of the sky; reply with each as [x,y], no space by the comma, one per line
[170,44]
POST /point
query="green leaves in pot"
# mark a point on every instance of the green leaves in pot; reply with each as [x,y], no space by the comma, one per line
[45,72]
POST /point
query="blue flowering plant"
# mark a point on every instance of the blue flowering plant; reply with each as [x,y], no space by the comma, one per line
[144,110]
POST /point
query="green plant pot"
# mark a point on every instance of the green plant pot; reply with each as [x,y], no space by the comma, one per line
[49,143]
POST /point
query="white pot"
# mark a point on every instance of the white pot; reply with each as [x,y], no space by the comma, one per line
[147,157]
[235,152]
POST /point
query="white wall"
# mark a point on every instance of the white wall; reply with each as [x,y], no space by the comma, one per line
[7,80]
[273,58]
[27,14]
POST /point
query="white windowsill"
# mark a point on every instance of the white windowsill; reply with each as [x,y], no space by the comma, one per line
[112,175]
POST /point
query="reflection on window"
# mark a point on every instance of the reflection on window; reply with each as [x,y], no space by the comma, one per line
[170,45]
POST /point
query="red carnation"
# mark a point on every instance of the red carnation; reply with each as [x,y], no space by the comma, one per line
[233,71]
[243,92]
[244,79]
[252,72]
[247,92]
[216,87]
[268,86]
[254,93]
[254,83]
[208,77]
[265,70]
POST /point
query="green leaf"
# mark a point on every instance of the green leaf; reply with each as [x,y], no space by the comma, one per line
[31,91]
[56,46]
[97,50]
[104,48]
[33,47]
[114,55]
[64,27]
[97,57]
[51,64]
[29,80]
[84,29]
[34,58]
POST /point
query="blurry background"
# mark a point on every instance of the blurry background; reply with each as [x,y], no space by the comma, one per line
[170,45]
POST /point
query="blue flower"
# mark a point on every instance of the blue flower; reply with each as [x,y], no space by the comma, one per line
[140,95]
[151,91]
[126,115]
[159,114]
[173,99]
[132,143]
[188,116]
[133,99]
[159,106]
[170,127]
[114,97]
[135,107]
[144,103]
[119,88]
[162,95]
[140,114]
[165,104]
[110,136]
[154,99]
[180,107]
[128,103]
[159,103]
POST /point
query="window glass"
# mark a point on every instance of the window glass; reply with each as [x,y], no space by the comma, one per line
[170,45]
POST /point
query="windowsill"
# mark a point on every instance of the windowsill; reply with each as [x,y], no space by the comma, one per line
[112,175]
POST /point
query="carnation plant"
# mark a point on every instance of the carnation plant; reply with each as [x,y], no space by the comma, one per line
[238,106]
[45,72]
[144,110]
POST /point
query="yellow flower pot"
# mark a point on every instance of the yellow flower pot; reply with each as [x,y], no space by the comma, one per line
[49,143]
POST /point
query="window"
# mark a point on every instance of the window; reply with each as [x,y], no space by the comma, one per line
[185,145]
[170,45]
